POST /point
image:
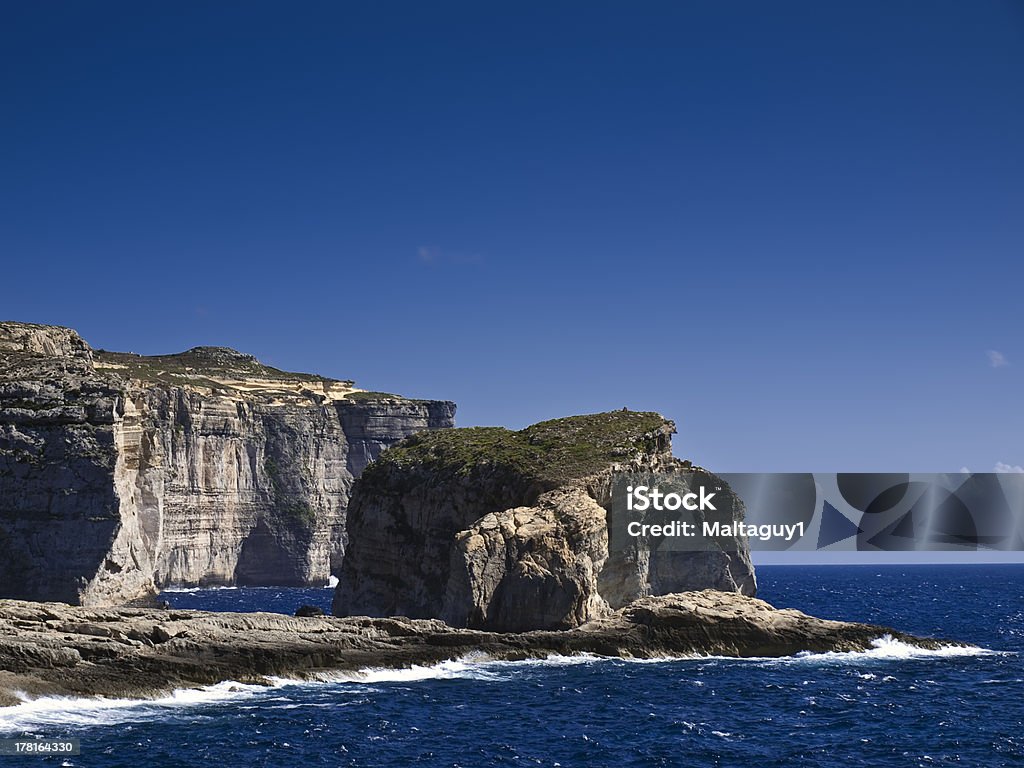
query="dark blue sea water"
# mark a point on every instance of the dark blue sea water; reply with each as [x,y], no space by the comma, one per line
[888,707]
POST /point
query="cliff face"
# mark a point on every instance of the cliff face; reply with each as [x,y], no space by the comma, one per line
[119,472]
[508,531]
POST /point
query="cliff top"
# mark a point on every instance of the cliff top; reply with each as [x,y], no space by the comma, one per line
[211,363]
[559,449]
[24,346]
[32,340]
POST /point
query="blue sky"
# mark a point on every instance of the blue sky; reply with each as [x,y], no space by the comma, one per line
[796,228]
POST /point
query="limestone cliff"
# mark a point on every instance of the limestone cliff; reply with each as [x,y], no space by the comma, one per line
[120,472]
[508,531]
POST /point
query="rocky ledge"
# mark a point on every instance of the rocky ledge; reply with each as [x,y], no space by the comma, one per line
[57,649]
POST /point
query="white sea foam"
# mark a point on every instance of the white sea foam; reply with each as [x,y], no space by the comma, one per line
[60,711]
[884,647]
[474,666]
[888,647]
[551,660]
[466,668]
[67,711]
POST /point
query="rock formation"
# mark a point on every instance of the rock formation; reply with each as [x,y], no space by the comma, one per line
[120,472]
[507,531]
[55,649]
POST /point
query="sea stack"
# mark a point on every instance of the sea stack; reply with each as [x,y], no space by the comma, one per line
[507,531]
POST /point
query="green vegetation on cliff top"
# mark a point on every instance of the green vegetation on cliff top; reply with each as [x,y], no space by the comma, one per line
[198,363]
[365,396]
[559,449]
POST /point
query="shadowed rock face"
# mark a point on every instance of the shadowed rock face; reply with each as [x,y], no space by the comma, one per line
[50,648]
[507,531]
[120,473]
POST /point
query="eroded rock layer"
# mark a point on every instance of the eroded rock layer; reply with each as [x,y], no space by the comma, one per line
[49,648]
[120,473]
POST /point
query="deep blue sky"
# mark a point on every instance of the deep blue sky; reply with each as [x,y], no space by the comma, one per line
[795,228]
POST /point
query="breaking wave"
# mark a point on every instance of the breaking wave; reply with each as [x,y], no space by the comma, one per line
[78,712]
[71,712]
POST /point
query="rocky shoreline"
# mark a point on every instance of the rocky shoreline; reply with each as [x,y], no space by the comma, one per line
[56,649]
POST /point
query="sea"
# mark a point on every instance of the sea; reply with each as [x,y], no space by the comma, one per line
[893,705]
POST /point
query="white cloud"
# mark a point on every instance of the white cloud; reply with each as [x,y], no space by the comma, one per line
[428,254]
[434,256]
[1006,468]
[964,471]
[997,359]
